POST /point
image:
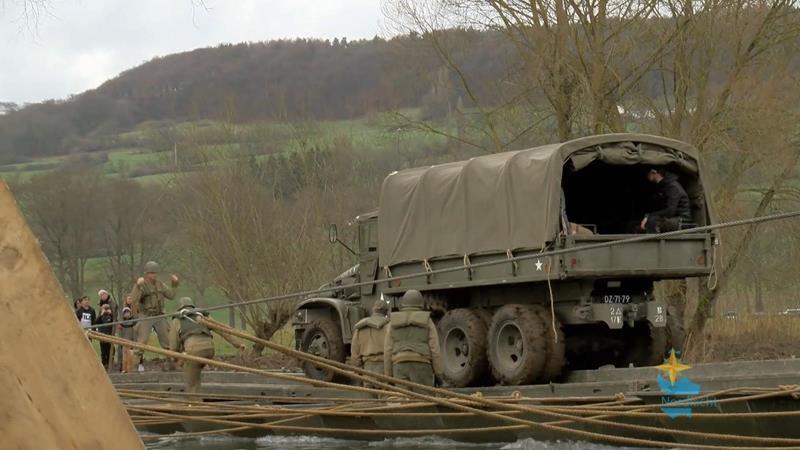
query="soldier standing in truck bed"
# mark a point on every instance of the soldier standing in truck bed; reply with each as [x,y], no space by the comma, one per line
[148,296]
[411,347]
[189,335]
[366,350]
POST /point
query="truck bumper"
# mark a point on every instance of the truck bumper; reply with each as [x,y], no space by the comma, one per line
[617,315]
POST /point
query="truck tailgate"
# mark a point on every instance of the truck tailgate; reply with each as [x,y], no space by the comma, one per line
[677,256]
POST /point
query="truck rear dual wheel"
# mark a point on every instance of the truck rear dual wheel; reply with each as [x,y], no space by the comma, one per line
[554,343]
[322,338]
[462,333]
[517,345]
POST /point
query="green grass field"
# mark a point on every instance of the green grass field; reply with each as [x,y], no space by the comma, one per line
[135,160]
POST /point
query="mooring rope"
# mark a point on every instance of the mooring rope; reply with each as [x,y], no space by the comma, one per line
[304,399]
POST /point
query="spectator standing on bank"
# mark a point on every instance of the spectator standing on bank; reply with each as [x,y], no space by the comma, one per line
[85,313]
[105,298]
[106,316]
[127,330]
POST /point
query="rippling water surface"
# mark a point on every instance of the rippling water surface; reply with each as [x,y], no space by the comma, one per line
[314,443]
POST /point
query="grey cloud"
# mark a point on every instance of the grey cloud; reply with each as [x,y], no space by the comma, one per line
[82,43]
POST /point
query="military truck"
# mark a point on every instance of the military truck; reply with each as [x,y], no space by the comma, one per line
[524,318]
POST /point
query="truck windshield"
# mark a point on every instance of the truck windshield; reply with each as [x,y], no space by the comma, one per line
[368,236]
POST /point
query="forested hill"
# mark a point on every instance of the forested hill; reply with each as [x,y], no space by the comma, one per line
[277,80]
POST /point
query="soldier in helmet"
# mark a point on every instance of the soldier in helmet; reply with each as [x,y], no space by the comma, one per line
[411,347]
[366,351]
[189,335]
[148,296]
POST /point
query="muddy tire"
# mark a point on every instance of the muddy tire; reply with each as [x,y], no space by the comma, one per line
[462,334]
[437,305]
[646,345]
[555,345]
[485,315]
[322,338]
[517,345]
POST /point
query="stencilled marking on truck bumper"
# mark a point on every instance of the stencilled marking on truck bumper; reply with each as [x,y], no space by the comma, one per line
[657,314]
[617,315]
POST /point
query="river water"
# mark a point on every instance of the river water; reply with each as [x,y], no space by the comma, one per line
[315,443]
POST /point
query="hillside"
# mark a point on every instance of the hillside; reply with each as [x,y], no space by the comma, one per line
[274,81]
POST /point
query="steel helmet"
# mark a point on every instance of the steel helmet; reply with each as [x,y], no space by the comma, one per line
[151,267]
[380,307]
[412,299]
[185,302]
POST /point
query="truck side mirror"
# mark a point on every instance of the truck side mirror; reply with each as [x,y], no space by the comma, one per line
[333,233]
[333,237]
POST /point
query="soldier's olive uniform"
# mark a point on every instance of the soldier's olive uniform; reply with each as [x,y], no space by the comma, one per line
[411,347]
[189,336]
[149,299]
[366,349]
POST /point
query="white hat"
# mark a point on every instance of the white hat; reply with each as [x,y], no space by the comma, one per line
[101,292]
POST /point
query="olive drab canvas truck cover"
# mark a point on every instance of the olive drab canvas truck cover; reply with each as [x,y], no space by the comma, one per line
[505,201]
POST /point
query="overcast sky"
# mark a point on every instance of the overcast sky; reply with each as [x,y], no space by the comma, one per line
[81,43]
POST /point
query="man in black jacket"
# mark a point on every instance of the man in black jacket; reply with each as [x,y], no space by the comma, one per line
[106,316]
[85,313]
[668,207]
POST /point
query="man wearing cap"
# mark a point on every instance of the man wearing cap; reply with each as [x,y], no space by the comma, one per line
[366,350]
[189,335]
[411,347]
[669,205]
[148,296]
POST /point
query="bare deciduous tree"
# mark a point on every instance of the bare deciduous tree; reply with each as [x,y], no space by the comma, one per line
[718,74]
[134,220]
[63,209]
[253,245]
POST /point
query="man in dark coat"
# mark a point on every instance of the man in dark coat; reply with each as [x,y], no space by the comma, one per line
[668,207]
[106,316]
[85,313]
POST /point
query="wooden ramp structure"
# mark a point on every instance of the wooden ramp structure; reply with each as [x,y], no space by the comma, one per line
[750,405]
[56,394]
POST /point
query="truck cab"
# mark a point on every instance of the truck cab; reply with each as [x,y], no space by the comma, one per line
[323,324]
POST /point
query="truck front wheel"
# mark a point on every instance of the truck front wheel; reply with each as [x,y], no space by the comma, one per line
[322,338]
[517,345]
[463,341]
